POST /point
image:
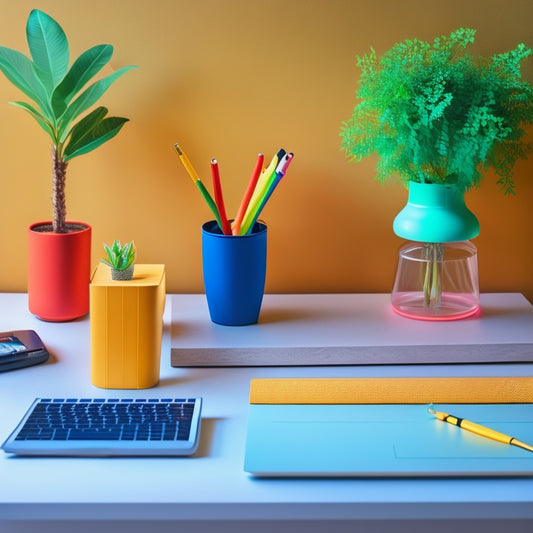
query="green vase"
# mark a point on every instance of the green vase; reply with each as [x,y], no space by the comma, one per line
[435,213]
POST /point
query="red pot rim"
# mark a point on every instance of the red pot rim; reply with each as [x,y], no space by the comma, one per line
[49,222]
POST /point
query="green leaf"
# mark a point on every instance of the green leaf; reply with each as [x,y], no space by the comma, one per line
[43,122]
[88,139]
[81,71]
[49,48]
[87,99]
[85,125]
[18,69]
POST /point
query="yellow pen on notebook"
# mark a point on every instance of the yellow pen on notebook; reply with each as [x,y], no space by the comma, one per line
[479,429]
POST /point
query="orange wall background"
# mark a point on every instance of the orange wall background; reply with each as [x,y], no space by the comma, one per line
[229,79]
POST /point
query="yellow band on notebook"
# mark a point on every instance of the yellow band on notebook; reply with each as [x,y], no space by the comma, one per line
[391,390]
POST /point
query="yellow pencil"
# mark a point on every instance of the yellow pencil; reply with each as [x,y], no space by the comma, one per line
[198,182]
[260,188]
[187,164]
[479,429]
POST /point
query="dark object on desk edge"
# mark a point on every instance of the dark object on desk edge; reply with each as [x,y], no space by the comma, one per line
[28,349]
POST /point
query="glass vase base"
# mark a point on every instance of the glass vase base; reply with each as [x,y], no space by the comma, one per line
[436,281]
[451,307]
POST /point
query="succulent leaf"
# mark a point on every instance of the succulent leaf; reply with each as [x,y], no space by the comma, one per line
[119,257]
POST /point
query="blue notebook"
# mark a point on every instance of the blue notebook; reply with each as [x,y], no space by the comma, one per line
[384,440]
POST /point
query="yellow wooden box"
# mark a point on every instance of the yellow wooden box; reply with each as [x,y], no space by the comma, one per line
[127,327]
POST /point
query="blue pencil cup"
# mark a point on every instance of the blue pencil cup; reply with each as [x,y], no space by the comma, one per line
[234,269]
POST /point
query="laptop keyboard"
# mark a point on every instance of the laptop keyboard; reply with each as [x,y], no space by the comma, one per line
[61,421]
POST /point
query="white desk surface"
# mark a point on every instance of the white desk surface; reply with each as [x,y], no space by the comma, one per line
[211,492]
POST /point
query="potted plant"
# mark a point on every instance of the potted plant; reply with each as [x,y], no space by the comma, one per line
[438,118]
[59,251]
[121,260]
[435,114]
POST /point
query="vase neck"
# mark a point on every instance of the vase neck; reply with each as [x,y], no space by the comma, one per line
[434,194]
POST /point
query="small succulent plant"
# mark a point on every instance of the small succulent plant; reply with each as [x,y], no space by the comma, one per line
[119,257]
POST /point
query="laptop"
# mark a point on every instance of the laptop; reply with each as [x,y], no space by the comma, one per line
[384,440]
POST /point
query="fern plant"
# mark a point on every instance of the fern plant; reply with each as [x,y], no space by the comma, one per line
[435,114]
[60,95]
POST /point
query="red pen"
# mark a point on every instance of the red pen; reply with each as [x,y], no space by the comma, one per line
[248,194]
[219,199]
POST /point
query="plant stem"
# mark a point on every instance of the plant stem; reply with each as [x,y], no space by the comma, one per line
[59,174]
[427,277]
[437,265]
[432,276]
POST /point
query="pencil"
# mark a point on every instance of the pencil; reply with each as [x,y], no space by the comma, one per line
[219,198]
[186,163]
[248,194]
[267,193]
[210,202]
[198,182]
[265,178]
[479,429]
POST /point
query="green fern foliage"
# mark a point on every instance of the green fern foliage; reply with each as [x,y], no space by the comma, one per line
[433,113]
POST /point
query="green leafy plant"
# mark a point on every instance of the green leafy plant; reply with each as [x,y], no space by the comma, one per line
[435,114]
[119,257]
[60,95]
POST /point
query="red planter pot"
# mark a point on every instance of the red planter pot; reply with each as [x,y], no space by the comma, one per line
[59,271]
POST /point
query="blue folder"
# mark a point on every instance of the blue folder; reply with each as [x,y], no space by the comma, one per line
[384,440]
